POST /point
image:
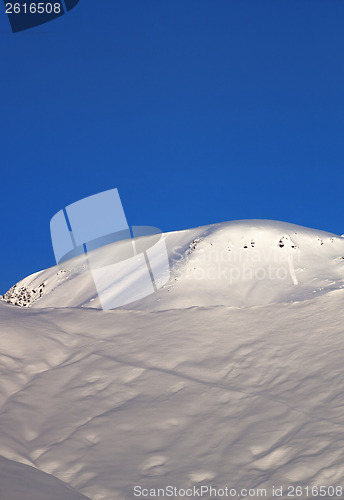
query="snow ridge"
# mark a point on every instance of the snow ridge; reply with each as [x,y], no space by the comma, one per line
[239,263]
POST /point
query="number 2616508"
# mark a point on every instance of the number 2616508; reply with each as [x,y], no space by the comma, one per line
[33,8]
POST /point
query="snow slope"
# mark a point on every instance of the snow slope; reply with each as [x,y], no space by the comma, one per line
[18,481]
[239,263]
[205,393]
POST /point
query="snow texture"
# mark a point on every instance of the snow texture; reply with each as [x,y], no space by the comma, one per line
[212,380]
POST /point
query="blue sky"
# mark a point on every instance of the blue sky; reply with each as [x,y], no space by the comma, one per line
[198,111]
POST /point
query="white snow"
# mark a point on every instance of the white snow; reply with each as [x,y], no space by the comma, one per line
[212,380]
[239,263]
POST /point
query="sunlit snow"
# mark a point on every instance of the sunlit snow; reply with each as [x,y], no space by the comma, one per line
[227,376]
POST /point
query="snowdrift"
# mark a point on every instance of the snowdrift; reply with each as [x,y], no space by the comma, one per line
[208,382]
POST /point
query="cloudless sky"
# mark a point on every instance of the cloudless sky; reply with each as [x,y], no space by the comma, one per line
[198,111]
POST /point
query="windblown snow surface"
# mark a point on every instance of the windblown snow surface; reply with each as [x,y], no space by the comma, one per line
[231,375]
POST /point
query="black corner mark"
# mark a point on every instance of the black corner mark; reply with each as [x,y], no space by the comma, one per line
[26,14]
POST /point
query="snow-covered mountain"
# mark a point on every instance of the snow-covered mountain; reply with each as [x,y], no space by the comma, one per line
[240,263]
[229,376]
